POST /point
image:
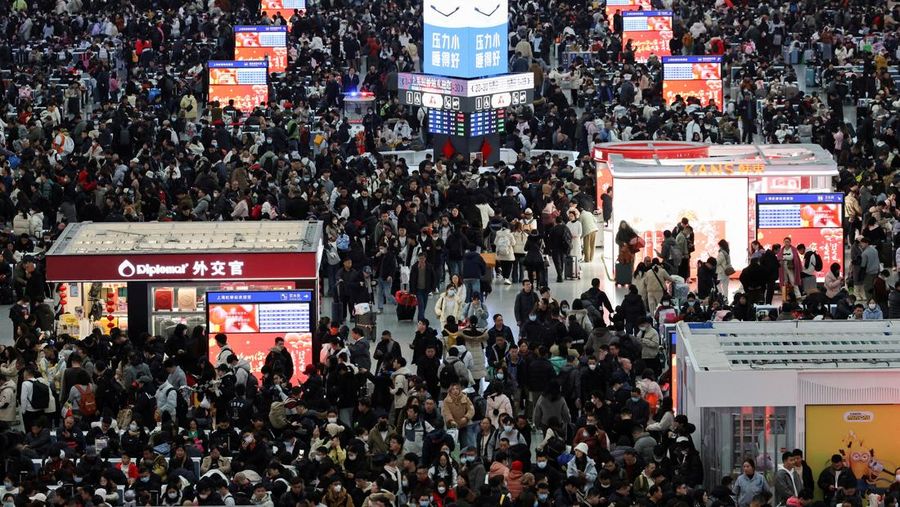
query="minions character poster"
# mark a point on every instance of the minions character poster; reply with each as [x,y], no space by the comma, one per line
[466,38]
[865,435]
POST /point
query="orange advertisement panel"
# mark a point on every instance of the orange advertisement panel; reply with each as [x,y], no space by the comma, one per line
[863,435]
[246,97]
[703,90]
[277,56]
[828,242]
[625,6]
[285,7]
[649,42]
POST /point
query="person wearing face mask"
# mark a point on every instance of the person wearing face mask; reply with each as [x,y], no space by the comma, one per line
[872,311]
[337,496]
[449,304]
[172,495]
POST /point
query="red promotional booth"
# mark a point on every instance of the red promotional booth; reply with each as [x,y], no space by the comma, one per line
[150,277]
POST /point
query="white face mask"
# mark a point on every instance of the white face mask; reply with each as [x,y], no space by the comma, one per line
[872,306]
[442,489]
[332,420]
[507,428]
[337,488]
[592,366]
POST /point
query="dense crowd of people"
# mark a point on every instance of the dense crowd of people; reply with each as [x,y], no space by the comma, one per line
[104,117]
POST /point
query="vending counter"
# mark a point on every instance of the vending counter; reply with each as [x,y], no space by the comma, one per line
[655,184]
[151,277]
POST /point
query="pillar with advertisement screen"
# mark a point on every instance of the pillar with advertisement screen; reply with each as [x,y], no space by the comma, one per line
[466,88]
[262,43]
[699,77]
[648,32]
[246,83]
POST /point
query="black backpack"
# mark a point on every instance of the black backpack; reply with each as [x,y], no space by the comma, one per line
[448,375]
[40,395]
[817,261]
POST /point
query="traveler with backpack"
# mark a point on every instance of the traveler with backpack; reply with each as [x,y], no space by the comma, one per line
[82,403]
[504,247]
[454,371]
[812,264]
[167,400]
[36,398]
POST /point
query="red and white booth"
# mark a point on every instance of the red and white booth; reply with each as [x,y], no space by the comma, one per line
[657,183]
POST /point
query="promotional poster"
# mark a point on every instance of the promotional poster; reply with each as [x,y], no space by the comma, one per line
[649,33]
[466,39]
[262,43]
[693,76]
[253,319]
[863,434]
[244,82]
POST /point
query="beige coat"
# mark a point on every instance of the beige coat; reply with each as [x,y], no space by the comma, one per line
[455,408]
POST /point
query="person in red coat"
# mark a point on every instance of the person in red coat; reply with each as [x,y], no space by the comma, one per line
[789,266]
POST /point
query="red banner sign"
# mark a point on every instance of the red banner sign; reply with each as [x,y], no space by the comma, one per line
[828,242]
[147,267]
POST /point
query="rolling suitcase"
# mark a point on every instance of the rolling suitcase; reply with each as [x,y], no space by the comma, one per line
[406,305]
[623,273]
[571,268]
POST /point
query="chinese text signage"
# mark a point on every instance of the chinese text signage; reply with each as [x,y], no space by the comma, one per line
[143,267]
[468,39]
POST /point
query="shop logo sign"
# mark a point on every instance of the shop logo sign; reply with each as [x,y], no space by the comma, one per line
[858,416]
[127,269]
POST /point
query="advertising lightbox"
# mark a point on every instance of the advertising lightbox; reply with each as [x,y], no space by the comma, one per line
[254,43]
[244,82]
[649,33]
[624,6]
[253,319]
[468,39]
[864,435]
[693,76]
[286,7]
[814,220]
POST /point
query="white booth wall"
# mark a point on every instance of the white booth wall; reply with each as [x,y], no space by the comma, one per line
[761,413]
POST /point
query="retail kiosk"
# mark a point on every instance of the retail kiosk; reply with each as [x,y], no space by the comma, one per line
[150,277]
[655,184]
[755,389]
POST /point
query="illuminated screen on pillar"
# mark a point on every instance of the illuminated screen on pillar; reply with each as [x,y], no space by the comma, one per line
[814,220]
[466,39]
[625,5]
[693,76]
[286,7]
[253,319]
[648,31]
[260,43]
[244,82]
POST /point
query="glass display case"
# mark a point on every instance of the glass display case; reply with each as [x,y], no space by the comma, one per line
[85,306]
[185,303]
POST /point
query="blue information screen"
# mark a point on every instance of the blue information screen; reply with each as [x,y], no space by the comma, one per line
[254,297]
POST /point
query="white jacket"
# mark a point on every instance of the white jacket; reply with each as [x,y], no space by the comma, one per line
[447,306]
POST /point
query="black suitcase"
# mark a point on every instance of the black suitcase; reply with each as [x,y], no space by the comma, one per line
[337,312]
[406,312]
[623,273]
[571,268]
